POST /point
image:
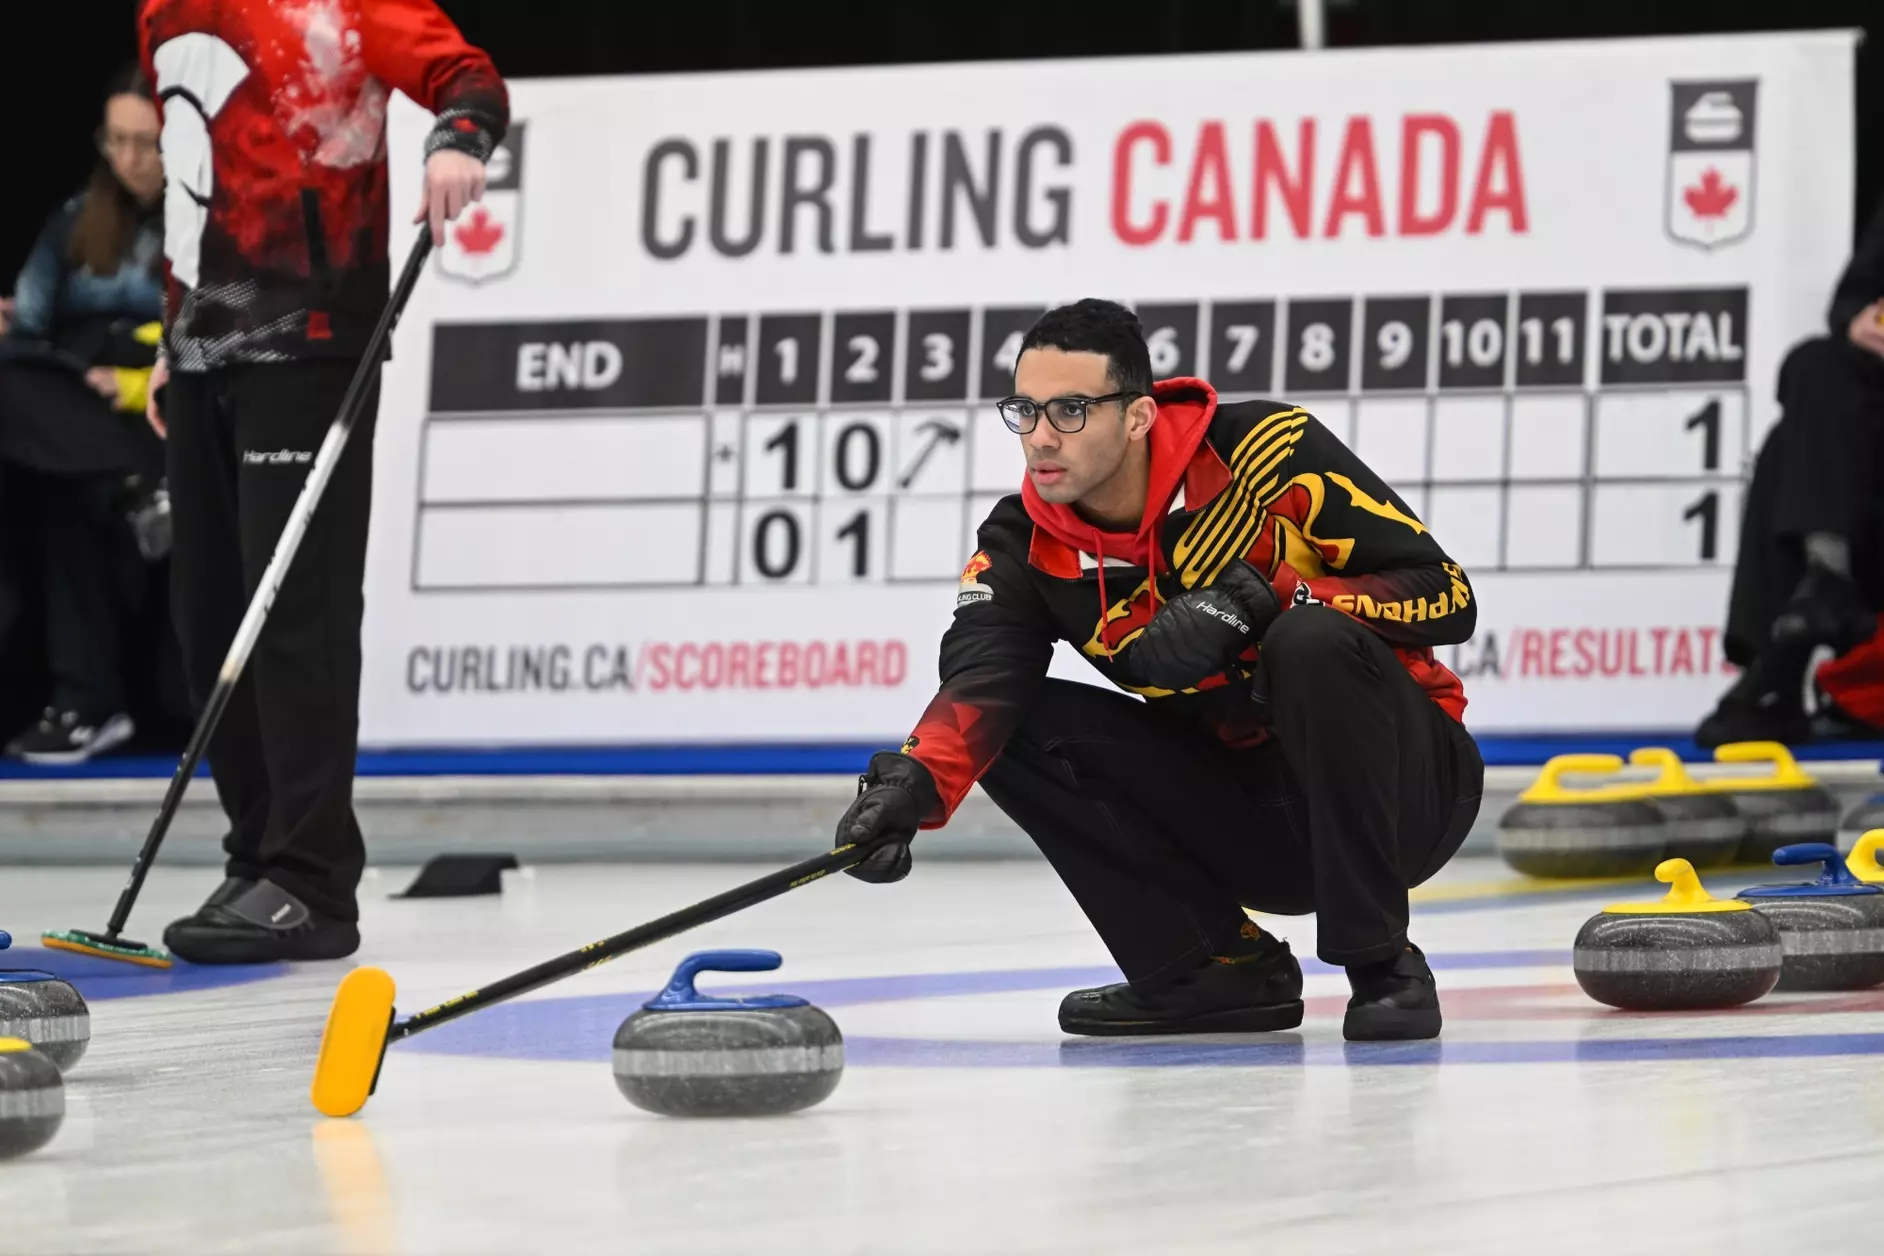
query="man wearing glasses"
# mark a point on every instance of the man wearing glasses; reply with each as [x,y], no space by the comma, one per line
[1297,749]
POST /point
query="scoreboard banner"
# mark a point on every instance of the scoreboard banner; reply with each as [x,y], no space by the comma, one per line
[687,437]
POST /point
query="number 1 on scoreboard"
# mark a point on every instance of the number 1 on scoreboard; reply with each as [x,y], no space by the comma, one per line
[851,542]
[790,350]
[1706,509]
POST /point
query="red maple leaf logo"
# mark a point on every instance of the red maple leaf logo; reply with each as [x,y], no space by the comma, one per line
[480,233]
[1711,197]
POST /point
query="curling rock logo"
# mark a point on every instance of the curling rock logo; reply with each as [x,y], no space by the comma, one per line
[1709,197]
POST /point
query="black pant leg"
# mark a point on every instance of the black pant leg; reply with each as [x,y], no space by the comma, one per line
[1159,831]
[306,663]
[1766,568]
[1832,395]
[207,600]
[82,544]
[1392,783]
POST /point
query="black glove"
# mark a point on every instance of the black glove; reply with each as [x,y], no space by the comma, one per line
[892,798]
[1201,632]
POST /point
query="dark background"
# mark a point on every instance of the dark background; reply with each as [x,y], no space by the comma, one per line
[51,149]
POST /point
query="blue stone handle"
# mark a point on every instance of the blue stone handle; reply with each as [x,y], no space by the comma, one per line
[679,989]
[1833,870]
[6,939]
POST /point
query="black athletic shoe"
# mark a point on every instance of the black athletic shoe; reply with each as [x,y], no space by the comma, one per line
[1826,609]
[63,738]
[1247,995]
[1755,710]
[1393,1000]
[231,889]
[226,893]
[258,922]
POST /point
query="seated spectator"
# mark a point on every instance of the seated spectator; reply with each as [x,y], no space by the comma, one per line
[75,364]
[1810,572]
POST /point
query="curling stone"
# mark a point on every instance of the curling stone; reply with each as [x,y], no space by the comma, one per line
[1704,827]
[1607,830]
[1782,807]
[1831,928]
[691,1054]
[1866,860]
[32,1098]
[47,1012]
[1687,950]
[1861,819]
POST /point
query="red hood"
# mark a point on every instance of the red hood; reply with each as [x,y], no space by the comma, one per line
[1185,408]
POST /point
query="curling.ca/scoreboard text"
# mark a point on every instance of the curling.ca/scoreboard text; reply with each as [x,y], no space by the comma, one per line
[1541,431]
[658,666]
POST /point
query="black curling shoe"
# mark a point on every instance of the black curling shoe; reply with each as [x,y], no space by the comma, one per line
[226,893]
[1253,994]
[1757,709]
[258,922]
[1393,1000]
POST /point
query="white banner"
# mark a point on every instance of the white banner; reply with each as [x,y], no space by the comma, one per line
[687,435]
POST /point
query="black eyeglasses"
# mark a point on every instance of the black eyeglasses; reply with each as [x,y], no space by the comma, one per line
[1066,414]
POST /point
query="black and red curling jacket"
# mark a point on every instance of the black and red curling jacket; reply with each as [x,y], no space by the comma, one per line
[274,142]
[1256,480]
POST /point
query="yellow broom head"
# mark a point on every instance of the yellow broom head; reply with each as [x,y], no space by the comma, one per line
[354,1042]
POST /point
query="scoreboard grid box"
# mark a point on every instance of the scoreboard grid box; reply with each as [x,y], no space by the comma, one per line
[1532,431]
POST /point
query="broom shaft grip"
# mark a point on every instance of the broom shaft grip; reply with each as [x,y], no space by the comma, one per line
[704,912]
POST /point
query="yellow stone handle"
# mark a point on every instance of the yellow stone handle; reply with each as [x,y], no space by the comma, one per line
[1685,894]
[1863,860]
[1785,767]
[1671,773]
[1549,783]
[1548,787]
[1684,887]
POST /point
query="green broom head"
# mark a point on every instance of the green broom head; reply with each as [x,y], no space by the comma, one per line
[125,950]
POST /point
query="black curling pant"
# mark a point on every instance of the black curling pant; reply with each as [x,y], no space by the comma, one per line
[1820,469]
[88,561]
[241,442]
[1163,834]
[70,454]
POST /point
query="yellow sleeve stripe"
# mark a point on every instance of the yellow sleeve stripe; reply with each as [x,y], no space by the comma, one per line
[1256,456]
[1386,510]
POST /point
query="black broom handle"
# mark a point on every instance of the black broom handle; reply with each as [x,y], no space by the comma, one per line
[377,349]
[704,912]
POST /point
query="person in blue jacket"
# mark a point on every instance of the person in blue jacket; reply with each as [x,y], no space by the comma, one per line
[81,334]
